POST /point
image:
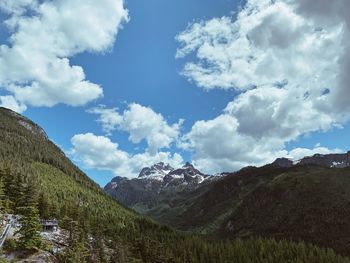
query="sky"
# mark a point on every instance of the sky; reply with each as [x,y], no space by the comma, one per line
[120,85]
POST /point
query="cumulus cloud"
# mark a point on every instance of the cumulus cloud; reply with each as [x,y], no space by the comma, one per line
[218,146]
[35,66]
[101,153]
[108,118]
[289,62]
[142,123]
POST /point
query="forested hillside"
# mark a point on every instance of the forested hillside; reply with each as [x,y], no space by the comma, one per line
[38,181]
[308,203]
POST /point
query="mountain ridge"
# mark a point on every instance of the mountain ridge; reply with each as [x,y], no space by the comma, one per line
[217,207]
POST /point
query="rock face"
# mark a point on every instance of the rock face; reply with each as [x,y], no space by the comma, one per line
[155,184]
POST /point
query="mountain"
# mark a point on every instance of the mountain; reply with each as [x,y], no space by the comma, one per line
[303,202]
[156,172]
[34,172]
[284,200]
[156,185]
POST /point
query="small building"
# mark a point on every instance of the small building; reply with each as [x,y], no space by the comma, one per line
[49,225]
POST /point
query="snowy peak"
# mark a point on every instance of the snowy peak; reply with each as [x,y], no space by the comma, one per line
[162,172]
[156,172]
[186,170]
[187,174]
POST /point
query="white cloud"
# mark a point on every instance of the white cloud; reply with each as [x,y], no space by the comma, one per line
[100,152]
[108,118]
[142,123]
[267,44]
[35,65]
[11,103]
[289,62]
[218,146]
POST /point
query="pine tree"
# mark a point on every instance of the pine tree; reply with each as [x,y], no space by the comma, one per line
[76,253]
[17,195]
[30,228]
[8,181]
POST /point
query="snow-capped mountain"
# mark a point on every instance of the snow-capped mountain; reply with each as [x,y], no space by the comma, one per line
[155,183]
[156,172]
[185,175]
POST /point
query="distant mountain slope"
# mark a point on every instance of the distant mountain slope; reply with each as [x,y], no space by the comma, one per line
[308,203]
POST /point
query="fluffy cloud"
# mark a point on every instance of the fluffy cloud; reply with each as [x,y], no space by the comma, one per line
[108,118]
[289,62]
[35,65]
[218,146]
[142,123]
[100,152]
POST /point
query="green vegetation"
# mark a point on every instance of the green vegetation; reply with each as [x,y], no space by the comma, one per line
[38,178]
[30,226]
[302,203]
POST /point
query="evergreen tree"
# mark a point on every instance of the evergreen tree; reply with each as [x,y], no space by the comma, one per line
[17,195]
[75,253]
[30,228]
[30,192]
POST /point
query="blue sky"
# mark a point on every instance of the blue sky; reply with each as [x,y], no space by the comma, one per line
[140,67]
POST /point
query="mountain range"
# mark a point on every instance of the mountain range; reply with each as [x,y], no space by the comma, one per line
[299,200]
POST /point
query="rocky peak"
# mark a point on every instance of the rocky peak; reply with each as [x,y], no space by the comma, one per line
[25,123]
[283,162]
[156,171]
[115,182]
[188,170]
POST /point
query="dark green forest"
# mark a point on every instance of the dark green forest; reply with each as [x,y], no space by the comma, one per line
[39,181]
